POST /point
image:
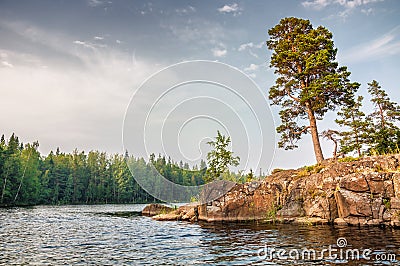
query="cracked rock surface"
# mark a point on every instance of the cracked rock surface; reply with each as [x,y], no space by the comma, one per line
[365,191]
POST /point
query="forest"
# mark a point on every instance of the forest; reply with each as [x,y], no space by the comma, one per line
[28,178]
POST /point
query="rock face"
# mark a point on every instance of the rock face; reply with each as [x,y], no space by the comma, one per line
[360,192]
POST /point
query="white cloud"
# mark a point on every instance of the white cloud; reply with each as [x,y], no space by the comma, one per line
[184,11]
[98,38]
[202,32]
[147,8]
[316,4]
[95,3]
[90,45]
[234,9]
[260,45]
[248,45]
[368,11]
[348,5]
[244,46]
[7,64]
[251,67]
[386,45]
[219,52]
[85,44]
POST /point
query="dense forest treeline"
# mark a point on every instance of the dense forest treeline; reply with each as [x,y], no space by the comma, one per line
[28,178]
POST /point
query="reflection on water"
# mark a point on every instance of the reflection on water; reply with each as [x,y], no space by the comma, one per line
[93,235]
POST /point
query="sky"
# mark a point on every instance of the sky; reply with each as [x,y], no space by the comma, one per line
[70,69]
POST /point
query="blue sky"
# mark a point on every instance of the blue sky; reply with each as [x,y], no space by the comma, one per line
[69,68]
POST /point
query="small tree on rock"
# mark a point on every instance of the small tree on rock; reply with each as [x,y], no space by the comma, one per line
[386,112]
[352,118]
[220,158]
[384,134]
[332,135]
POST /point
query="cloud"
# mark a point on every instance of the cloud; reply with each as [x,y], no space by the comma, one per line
[348,5]
[250,46]
[98,38]
[245,46]
[203,33]
[147,8]
[84,44]
[95,3]
[316,4]
[368,11]
[251,67]
[219,52]
[319,4]
[234,9]
[73,95]
[184,11]
[7,64]
[386,45]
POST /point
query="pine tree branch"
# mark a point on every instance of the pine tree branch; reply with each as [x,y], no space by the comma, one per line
[300,132]
[291,96]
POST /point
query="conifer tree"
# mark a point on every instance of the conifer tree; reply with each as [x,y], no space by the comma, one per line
[384,134]
[386,112]
[354,120]
[310,82]
[332,135]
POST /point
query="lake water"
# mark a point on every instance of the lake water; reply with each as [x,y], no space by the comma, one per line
[109,235]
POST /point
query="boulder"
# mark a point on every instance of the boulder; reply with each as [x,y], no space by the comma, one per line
[156,209]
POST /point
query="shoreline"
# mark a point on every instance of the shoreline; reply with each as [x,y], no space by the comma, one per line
[357,192]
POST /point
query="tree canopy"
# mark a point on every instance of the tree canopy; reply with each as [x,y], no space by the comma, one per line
[28,178]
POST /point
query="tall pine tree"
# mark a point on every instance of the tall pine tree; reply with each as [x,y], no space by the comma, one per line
[310,83]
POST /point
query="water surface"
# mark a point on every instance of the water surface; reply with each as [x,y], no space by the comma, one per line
[113,235]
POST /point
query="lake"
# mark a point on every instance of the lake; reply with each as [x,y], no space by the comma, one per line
[112,235]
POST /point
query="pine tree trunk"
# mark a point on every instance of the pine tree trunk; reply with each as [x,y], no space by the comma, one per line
[335,149]
[314,134]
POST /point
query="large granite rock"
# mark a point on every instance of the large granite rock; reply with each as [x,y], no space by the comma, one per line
[360,192]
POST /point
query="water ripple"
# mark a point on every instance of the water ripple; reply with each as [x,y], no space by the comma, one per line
[89,235]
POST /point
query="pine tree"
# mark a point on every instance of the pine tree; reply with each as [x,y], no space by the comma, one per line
[384,135]
[332,135]
[354,120]
[386,112]
[310,83]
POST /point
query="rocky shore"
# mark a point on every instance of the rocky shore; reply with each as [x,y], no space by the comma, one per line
[359,192]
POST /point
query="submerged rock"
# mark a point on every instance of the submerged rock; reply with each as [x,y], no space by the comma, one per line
[156,209]
[187,212]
